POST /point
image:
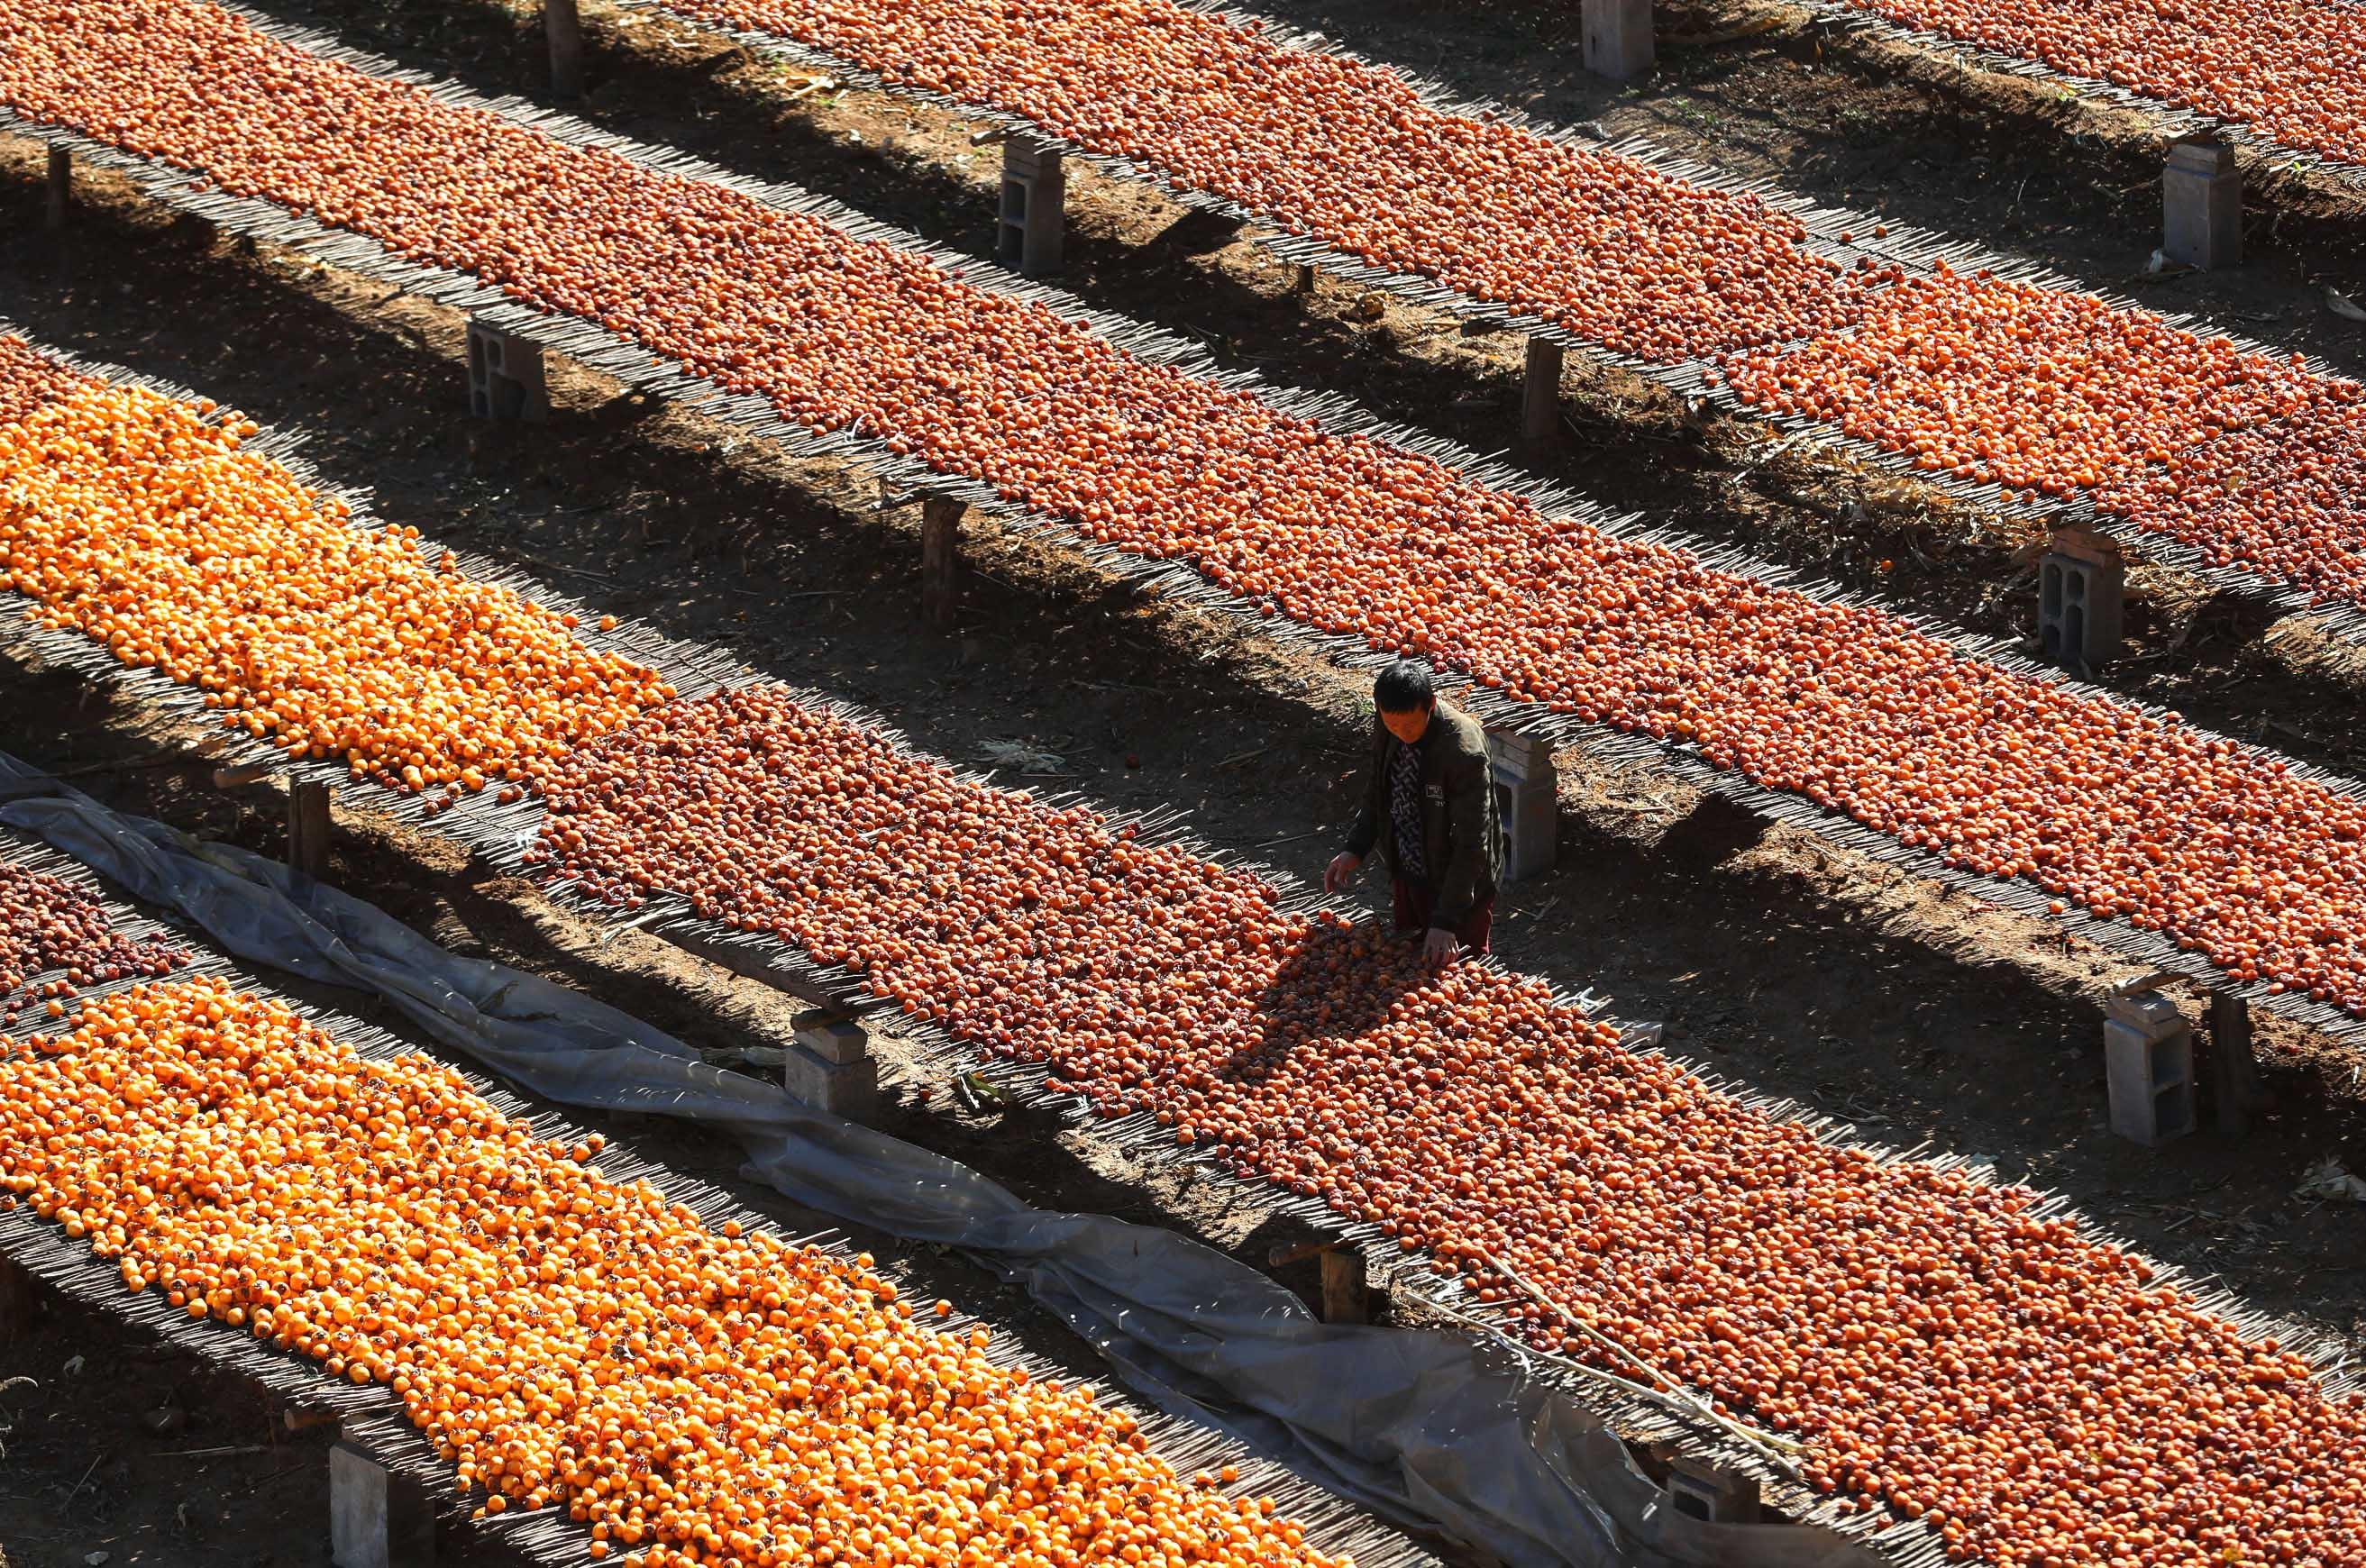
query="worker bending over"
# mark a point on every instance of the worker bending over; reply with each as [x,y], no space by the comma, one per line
[1429,803]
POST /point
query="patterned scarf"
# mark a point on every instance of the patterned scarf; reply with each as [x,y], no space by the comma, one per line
[1404,809]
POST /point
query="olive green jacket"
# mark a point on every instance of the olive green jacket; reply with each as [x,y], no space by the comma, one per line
[1462,831]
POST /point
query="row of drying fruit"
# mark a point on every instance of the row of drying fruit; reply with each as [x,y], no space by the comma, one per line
[55,939]
[1944,1348]
[2255,463]
[568,1341]
[2293,71]
[2112,810]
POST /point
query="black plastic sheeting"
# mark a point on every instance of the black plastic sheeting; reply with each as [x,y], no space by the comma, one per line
[1431,1432]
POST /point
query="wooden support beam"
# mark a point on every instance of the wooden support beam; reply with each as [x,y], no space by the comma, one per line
[2202,205]
[1540,401]
[60,190]
[309,827]
[1346,1294]
[20,1303]
[563,23]
[939,560]
[2234,1070]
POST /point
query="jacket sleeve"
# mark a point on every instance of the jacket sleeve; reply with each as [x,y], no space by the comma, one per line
[1466,779]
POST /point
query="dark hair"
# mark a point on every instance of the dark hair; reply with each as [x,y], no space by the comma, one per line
[1403,687]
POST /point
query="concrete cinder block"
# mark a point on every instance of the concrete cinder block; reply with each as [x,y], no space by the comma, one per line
[2202,205]
[1527,798]
[2081,602]
[1701,1491]
[1531,813]
[843,1089]
[1520,757]
[2148,1069]
[377,1519]
[506,379]
[1619,42]
[838,1040]
[1031,232]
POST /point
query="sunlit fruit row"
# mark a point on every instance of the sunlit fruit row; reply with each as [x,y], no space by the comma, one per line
[1943,1349]
[691,1395]
[139,521]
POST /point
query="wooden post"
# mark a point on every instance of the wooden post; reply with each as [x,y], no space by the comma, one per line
[939,560]
[307,827]
[2234,1070]
[1302,278]
[61,189]
[18,1303]
[1346,1298]
[564,25]
[1540,399]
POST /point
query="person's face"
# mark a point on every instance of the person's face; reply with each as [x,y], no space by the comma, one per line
[1410,725]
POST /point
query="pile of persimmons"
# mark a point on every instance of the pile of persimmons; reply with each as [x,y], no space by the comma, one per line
[2254,462]
[324,637]
[55,939]
[1665,269]
[1944,1350]
[842,335]
[1645,264]
[571,1342]
[137,521]
[2294,71]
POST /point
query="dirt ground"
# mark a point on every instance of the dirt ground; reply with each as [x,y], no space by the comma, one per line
[1784,965]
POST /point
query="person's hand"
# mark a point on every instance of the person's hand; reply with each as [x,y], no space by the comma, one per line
[1439,948]
[1341,871]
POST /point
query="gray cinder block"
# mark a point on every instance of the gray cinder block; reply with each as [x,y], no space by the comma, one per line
[2148,1069]
[1031,232]
[2082,601]
[505,375]
[1619,42]
[2202,205]
[377,1519]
